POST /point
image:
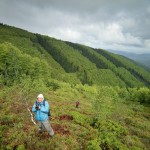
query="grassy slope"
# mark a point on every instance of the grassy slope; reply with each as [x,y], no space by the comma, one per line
[119,125]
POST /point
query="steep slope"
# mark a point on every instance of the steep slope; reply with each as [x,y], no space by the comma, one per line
[103,62]
[75,63]
[26,42]
[139,72]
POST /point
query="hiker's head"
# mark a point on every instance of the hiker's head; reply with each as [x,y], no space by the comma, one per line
[40,97]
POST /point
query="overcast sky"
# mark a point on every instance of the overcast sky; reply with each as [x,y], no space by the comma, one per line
[122,25]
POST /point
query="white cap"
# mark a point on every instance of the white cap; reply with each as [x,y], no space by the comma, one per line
[40,96]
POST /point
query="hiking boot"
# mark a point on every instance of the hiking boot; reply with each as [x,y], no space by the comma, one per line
[52,136]
[40,131]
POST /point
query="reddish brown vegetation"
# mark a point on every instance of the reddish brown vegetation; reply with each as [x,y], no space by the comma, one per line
[66,117]
[61,129]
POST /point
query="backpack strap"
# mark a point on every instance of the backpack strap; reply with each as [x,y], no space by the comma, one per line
[44,102]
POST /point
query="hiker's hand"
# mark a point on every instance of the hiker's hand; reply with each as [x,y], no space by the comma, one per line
[37,107]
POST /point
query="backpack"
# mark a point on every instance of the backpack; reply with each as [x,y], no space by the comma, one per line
[49,114]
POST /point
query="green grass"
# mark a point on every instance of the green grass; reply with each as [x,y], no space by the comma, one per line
[115,124]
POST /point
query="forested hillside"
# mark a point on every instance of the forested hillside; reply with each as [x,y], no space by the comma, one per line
[113,92]
[78,62]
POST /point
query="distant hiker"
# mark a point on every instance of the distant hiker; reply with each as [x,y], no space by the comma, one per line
[77,104]
[42,111]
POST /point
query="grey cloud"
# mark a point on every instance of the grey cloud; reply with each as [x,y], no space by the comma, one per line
[109,24]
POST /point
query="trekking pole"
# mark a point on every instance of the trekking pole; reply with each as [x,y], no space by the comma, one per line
[31,115]
[25,98]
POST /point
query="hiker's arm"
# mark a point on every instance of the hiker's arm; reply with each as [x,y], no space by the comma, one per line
[45,108]
[33,108]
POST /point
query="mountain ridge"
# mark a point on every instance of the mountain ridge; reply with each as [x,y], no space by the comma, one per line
[142,59]
[78,62]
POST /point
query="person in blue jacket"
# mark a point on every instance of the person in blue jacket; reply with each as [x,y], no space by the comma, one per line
[41,110]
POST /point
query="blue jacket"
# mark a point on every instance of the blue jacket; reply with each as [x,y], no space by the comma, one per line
[42,114]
